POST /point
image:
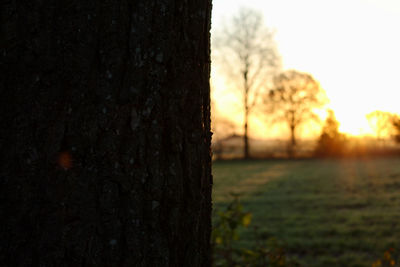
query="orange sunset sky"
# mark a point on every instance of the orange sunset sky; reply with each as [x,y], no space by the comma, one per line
[352,47]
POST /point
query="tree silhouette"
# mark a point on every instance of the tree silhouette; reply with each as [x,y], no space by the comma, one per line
[292,100]
[396,126]
[331,142]
[249,56]
[105,133]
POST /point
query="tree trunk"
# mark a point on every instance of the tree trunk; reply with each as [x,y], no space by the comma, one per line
[292,136]
[105,133]
[246,138]
[246,153]
[292,145]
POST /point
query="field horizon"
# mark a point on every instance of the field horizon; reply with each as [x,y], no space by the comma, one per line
[231,147]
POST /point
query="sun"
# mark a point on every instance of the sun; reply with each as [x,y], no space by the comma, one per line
[352,118]
[355,126]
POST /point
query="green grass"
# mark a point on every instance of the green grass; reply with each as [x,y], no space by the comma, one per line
[325,212]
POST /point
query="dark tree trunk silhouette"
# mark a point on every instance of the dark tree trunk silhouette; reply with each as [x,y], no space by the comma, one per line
[292,136]
[246,139]
[292,144]
[246,119]
[105,133]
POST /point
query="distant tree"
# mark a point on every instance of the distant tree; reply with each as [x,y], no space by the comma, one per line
[331,142]
[105,133]
[396,127]
[292,100]
[381,123]
[249,56]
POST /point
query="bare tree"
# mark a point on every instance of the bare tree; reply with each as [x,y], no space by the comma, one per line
[249,56]
[293,99]
[381,123]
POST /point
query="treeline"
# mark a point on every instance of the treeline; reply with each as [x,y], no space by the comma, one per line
[333,143]
[246,54]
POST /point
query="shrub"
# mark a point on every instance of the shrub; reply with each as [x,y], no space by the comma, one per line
[227,250]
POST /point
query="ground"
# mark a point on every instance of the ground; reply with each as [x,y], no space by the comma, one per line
[328,212]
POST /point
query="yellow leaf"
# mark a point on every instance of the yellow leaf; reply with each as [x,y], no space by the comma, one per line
[246,220]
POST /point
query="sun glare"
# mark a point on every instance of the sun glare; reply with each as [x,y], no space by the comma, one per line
[350,47]
[351,113]
[352,125]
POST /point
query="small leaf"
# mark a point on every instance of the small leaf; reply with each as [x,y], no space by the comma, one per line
[246,220]
[218,240]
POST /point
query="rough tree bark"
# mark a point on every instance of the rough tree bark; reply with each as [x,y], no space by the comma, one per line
[105,133]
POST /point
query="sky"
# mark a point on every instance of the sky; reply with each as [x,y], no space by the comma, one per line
[352,47]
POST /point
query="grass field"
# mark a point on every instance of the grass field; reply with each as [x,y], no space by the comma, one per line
[325,212]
